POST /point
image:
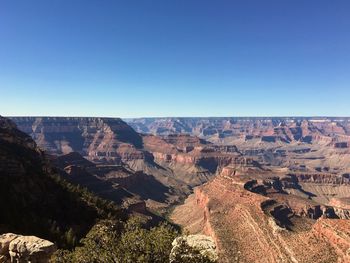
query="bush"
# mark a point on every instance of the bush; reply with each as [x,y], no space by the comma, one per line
[111,241]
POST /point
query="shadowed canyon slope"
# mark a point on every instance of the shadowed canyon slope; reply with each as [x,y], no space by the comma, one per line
[78,226]
[35,200]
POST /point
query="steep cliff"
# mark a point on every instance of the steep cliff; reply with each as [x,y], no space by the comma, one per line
[106,139]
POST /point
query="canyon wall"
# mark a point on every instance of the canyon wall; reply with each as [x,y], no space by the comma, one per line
[255,227]
[268,129]
[98,139]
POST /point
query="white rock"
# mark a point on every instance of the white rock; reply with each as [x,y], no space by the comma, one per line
[204,244]
[23,249]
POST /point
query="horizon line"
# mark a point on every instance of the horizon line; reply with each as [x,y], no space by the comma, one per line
[175,117]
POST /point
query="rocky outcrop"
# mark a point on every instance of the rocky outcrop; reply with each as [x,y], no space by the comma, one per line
[205,245]
[23,249]
[286,190]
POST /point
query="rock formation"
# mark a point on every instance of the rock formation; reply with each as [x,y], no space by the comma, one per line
[264,225]
[203,244]
[301,143]
[23,249]
[107,139]
[286,129]
[120,159]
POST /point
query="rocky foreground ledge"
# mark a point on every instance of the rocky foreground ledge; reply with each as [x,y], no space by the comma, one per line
[23,249]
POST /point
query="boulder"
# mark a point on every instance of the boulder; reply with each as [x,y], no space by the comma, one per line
[193,247]
[22,249]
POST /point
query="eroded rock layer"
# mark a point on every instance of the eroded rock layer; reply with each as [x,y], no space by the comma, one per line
[106,139]
[118,159]
[268,129]
[260,221]
[301,143]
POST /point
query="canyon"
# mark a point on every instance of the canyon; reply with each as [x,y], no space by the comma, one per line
[320,143]
[137,171]
[264,189]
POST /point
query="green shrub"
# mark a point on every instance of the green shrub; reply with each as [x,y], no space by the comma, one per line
[111,241]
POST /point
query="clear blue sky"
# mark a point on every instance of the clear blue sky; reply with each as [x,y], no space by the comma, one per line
[174,57]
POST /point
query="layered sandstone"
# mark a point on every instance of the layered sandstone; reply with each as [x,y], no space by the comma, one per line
[185,152]
[262,226]
[176,161]
[299,143]
[283,129]
[98,139]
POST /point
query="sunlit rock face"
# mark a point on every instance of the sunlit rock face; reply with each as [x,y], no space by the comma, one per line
[301,142]
[203,244]
[265,215]
[24,249]
[269,129]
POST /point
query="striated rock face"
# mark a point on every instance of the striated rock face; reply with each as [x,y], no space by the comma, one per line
[23,249]
[340,202]
[110,158]
[337,232]
[320,178]
[112,141]
[303,144]
[107,139]
[267,129]
[264,226]
[306,146]
[188,151]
